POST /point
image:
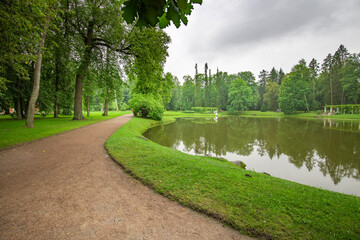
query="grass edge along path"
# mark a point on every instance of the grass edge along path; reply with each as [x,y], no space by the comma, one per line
[13,131]
[259,206]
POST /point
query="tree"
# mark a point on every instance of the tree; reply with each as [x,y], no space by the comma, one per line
[262,83]
[274,75]
[48,11]
[350,79]
[271,96]
[314,73]
[240,96]
[188,93]
[280,77]
[295,90]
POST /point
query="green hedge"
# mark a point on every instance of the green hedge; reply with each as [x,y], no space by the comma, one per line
[204,109]
[346,109]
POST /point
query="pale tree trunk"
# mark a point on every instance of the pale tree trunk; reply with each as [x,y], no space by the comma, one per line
[106,107]
[36,85]
[88,105]
[116,102]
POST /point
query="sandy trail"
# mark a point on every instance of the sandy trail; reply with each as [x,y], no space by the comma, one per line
[67,187]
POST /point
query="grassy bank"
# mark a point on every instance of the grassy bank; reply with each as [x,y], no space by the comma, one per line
[259,206]
[13,131]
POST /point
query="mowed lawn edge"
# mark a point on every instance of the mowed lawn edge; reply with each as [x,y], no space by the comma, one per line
[13,132]
[258,206]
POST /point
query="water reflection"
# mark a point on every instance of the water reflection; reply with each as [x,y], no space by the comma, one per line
[329,147]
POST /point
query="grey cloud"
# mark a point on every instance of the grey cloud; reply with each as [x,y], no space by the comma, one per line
[261,20]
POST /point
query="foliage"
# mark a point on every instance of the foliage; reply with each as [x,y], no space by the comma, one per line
[240,96]
[295,90]
[270,99]
[151,13]
[263,108]
[124,107]
[146,106]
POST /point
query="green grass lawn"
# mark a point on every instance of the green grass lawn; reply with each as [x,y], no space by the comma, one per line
[259,206]
[13,131]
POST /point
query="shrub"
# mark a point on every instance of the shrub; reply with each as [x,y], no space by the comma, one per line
[147,106]
[124,107]
[263,108]
[66,112]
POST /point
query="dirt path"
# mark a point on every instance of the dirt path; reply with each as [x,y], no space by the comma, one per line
[67,187]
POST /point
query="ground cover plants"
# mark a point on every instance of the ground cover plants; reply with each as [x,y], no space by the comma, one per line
[13,131]
[256,204]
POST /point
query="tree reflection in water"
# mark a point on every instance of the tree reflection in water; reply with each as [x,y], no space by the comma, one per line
[331,146]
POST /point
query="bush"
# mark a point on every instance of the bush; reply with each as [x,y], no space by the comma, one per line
[263,108]
[124,107]
[66,112]
[147,106]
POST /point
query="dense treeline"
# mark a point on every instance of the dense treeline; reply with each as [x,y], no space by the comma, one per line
[307,87]
[63,56]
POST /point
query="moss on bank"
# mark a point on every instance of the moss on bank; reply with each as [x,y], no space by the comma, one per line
[259,206]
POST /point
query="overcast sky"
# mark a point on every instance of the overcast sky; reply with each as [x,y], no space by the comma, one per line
[251,35]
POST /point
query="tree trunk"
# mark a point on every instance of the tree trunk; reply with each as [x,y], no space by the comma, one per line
[18,108]
[88,105]
[343,97]
[36,85]
[56,99]
[116,102]
[78,115]
[106,107]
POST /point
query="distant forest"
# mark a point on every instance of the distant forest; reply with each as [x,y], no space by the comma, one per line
[308,87]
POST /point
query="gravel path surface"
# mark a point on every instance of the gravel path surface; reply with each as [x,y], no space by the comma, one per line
[67,187]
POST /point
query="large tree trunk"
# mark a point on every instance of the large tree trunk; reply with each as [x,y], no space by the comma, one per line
[36,85]
[78,115]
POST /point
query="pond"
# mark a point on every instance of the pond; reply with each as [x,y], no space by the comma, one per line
[321,153]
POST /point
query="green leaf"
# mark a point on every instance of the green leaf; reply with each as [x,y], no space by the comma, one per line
[163,21]
[173,15]
[129,10]
[184,19]
[182,5]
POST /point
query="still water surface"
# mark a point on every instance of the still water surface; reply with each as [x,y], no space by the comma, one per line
[321,153]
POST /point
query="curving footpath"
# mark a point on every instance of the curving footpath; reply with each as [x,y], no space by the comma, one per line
[67,187]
